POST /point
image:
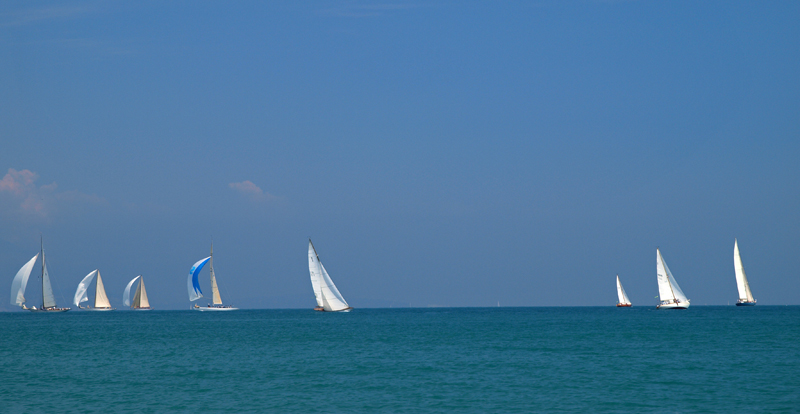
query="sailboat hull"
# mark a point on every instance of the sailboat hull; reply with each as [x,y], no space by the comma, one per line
[624,305]
[745,304]
[673,306]
[213,309]
[340,310]
[50,310]
[99,309]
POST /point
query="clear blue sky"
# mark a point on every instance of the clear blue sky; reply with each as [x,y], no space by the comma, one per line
[445,153]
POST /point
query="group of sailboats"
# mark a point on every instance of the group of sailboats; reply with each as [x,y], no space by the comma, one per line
[328,297]
[672,297]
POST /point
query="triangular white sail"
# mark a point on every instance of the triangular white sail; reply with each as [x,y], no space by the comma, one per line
[21,282]
[668,288]
[48,300]
[140,301]
[315,272]
[126,295]
[328,297]
[216,299]
[332,299]
[81,293]
[741,278]
[100,297]
[623,298]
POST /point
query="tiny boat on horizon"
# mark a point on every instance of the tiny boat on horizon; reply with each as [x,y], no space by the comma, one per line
[140,302]
[745,295]
[20,282]
[194,286]
[624,302]
[101,302]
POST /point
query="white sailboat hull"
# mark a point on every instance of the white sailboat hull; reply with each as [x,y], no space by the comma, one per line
[320,309]
[682,305]
[99,309]
[213,309]
[49,310]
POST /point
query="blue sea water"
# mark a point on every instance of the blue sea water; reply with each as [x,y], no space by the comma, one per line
[466,360]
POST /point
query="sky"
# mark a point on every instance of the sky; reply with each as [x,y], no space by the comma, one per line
[438,153]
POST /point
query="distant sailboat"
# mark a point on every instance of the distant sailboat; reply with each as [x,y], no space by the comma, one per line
[194,286]
[624,302]
[140,302]
[21,282]
[100,299]
[745,296]
[669,292]
[328,297]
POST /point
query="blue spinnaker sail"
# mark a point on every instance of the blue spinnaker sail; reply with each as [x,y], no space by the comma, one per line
[192,283]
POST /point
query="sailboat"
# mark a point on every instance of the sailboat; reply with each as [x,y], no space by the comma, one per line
[194,286]
[100,299]
[624,302]
[328,297]
[21,281]
[669,292]
[140,302]
[745,296]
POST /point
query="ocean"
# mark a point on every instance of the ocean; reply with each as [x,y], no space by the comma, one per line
[431,360]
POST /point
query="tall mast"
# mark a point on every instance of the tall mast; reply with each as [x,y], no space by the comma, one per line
[41,240]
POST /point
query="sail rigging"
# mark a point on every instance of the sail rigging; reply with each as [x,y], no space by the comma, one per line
[194,285]
[668,290]
[745,295]
[623,297]
[140,299]
[328,296]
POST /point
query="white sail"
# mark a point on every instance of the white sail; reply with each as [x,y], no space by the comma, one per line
[140,301]
[315,272]
[623,298]
[126,296]
[741,277]
[216,299]
[81,293]
[668,288]
[100,297]
[21,281]
[332,300]
[48,300]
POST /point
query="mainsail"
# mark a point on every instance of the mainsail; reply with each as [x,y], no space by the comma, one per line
[741,277]
[48,300]
[668,288]
[81,293]
[217,300]
[21,281]
[192,283]
[140,300]
[100,297]
[623,298]
[126,295]
[314,270]
[329,296]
